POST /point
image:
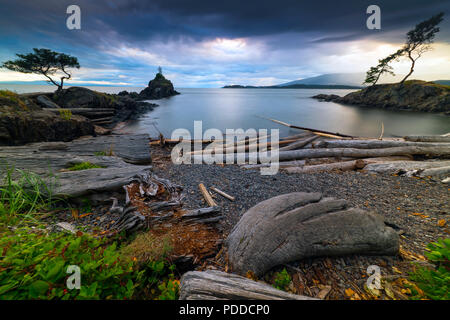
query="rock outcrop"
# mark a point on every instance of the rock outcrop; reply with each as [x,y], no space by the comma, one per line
[413,95]
[217,285]
[158,88]
[120,157]
[23,121]
[125,107]
[300,225]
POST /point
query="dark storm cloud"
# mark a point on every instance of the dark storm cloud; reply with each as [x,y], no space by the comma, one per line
[173,19]
[282,39]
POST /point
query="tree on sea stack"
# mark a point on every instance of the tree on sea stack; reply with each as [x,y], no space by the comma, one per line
[45,62]
[419,40]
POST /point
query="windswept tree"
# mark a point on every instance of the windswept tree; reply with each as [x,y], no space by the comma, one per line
[419,40]
[45,62]
[374,74]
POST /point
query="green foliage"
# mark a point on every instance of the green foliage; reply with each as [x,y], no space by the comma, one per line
[435,283]
[282,280]
[33,262]
[83,166]
[45,62]
[65,114]
[374,74]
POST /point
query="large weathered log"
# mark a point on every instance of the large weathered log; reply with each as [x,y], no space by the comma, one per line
[299,144]
[217,285]
[435,172]
[443,138]
[343,166]
[373,144]
[295,226]
[339,152]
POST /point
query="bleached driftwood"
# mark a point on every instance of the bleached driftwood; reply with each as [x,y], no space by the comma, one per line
[443,138]
[373,144]
[299,144]
[404,166]
[343,166]
[217,285]
[339,152]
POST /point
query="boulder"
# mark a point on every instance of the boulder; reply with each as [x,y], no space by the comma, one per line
[45,102]
[158,88]
[295,226]
[217,285]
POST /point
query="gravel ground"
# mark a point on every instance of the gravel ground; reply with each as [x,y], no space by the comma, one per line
[413,206]
[398,199]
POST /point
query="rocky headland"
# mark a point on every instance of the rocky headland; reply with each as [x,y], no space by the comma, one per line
[414,95]
[63,116]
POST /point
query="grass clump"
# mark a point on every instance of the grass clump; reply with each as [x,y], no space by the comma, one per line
[146,247]
[23,194]
[434,282]
[65,114]
[84,166]
[12,99]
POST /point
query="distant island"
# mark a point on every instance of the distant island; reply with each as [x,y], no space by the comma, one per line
[295,86]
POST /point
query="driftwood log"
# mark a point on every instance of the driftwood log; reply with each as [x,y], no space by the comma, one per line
[295,226]
[299,144]
[207,195]
[343,166]
[373,144]
[404,166]
[443,138]
[217,285]
[431,151]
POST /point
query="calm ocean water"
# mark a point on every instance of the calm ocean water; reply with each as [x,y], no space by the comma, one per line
[242,108]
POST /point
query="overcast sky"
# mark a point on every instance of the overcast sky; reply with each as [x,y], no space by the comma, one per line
[210,43]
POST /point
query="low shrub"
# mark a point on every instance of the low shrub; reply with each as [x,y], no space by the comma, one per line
[434,282]
[83,166]
[34,266]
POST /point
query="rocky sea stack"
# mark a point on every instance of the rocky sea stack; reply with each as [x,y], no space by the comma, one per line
[413,95]
[158,88]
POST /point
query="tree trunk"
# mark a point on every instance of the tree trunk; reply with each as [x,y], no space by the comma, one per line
[412,67]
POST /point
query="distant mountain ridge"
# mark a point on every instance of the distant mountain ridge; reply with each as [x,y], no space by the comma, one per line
[346,79]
